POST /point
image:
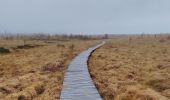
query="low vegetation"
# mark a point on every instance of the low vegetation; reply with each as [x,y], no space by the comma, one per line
[135,68]
[4,50]
[125,68]
[34,70]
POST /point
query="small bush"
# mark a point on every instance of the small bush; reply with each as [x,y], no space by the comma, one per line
[159,84]
[60,45]
[39,89]
[52,67]
[162,41]
[25,46]
[160,66]
[4,50]
[21,97]
[5,90]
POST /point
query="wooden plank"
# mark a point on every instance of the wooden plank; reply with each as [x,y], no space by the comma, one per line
[78,84]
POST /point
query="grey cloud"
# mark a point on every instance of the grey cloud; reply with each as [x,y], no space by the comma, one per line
[85,16]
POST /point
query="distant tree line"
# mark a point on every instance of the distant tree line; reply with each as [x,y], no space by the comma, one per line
[46,36]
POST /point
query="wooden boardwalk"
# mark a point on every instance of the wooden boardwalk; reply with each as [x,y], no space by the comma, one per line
[78,84]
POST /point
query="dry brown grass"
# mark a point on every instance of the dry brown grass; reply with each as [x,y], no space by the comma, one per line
[36,73]
[135,70]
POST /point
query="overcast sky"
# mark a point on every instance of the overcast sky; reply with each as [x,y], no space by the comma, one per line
[85,16]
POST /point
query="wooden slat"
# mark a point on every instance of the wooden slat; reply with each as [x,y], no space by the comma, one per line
[78,84]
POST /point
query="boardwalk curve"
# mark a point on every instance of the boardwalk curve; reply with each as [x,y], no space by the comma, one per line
[78,84]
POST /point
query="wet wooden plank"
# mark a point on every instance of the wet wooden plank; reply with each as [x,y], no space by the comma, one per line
[78,84]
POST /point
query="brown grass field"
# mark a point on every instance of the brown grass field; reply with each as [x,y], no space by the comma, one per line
[36,71]
[136,68]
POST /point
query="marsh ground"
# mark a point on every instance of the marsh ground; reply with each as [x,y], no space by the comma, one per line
[35,71]
[136,68]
